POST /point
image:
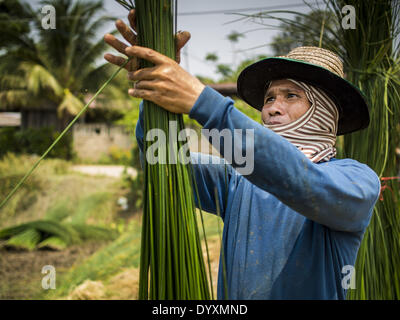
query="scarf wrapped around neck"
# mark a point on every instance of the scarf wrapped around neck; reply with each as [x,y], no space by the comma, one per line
[314,133]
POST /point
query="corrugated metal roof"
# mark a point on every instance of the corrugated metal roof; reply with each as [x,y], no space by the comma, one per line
[10,119]
[226,89]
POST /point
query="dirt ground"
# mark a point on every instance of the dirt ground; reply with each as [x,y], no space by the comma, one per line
[21,277]
[21,271]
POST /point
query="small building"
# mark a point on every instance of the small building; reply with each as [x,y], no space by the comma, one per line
[10,119]
[91,141]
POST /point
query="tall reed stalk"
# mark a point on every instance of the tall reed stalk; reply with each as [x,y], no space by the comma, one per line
[372,62]
[171,262]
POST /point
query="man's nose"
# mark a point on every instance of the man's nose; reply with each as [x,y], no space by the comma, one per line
[275,108]
[274,111]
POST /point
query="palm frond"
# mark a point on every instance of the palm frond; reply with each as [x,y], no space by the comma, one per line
[53,59]
[39,79]
[10,99]
[70,104]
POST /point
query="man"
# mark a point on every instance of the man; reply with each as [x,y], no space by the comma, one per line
[292,228]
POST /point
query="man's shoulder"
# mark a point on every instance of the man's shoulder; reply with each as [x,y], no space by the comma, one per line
[355,167]
[346,162]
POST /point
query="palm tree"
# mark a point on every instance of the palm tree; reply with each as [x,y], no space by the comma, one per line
[52,69]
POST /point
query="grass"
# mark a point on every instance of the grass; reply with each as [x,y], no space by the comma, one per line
[56,194]
[105,273]
[68,197]
[111,271]
[122,253]
[12,169]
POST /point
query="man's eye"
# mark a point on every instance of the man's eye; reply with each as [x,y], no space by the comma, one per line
[269,99]
[291,95]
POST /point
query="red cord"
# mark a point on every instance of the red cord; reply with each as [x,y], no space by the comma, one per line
[385,186]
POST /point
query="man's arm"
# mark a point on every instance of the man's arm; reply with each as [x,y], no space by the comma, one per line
[212,174]
[338,194]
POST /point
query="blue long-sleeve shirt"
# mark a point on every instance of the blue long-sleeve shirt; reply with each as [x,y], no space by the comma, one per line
[291,226]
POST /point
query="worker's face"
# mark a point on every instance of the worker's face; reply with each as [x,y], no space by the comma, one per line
[284,102]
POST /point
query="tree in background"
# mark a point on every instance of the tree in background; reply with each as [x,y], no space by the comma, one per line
[233,38]
[53,67]
[305,30]
[229,73]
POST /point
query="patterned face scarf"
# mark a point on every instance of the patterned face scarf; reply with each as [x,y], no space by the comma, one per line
[314,133]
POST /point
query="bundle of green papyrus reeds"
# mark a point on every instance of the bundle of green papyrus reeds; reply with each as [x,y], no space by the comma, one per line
[171,264]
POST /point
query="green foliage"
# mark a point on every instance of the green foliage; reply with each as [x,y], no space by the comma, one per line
[242,66]
[120,155]
[305,30]
[89,232]
[35,141]
[131,114]
[52,234]
[205,80]
[247,110]
[12,169]
[116,156]
[136,184]
[234,36]
[212,56]
[224,69]
[54,243]
[229,73]
[124,252]
[61,210]
[27,239]
[95,205]
[375,68]
[54,67]
[8,141]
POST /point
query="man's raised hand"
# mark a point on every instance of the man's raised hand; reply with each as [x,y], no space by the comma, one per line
[130,35]
[166,83]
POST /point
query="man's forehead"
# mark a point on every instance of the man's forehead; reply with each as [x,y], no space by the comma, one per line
[283,85]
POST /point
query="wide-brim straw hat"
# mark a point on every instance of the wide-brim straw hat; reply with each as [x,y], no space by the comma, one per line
[316,66]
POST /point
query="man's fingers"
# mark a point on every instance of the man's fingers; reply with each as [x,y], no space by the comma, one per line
[142,74]
[145,84]
[119,61]
[181,39]
[132,19]
[141,93]
[115,43]
[147,54]
[126,32]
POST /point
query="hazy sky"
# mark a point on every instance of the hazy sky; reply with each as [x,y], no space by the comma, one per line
[209,30]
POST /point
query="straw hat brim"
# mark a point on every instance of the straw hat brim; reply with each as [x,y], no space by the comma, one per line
[351,104]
